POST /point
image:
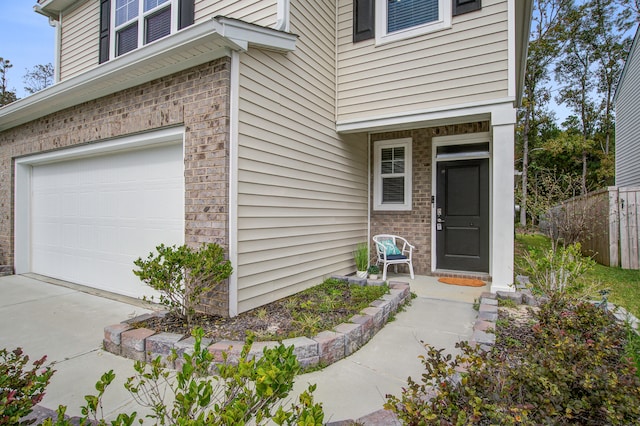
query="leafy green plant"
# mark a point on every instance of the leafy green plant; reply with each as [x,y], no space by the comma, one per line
[572,369]
[183,275]
[558,270]
[249,391]
[373,270]
[22,386]
[361,256]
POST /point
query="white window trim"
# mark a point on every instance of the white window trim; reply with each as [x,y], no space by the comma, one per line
[406,143]
[444,22]
[142,15]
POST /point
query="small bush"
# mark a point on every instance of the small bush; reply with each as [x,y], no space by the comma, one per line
[21,386]
[572,370]
[183,275]
[250,392]
[558,270]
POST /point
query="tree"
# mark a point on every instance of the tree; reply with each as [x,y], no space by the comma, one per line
[574,73]
[6,96]
[544,46]
[40,77]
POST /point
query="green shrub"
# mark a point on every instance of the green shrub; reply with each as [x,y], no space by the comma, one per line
[249,392]
[21,386]
[558,271]
[183,275]
[572,370]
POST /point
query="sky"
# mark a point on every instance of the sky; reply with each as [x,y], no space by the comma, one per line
[26,40]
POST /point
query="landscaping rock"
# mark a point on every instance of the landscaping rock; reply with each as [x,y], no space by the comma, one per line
[379,418]
[331,346]
[366,324]
[132,343]
[353,337]
[161,345]
[378,317]
[357,281]
[510,295]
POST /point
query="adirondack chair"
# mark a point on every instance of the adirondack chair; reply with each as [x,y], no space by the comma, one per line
[390,253]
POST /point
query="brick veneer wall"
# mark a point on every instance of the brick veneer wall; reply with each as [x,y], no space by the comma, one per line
[197,98]
[415,225]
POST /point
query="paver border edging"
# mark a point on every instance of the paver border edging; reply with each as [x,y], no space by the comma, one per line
[485,326]
[327,347]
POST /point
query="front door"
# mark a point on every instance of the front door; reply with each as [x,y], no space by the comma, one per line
[462,215]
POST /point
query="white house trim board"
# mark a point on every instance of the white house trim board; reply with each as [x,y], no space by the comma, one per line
[438,141]
[502,208]
[511,48]
[455,114]
[23,183]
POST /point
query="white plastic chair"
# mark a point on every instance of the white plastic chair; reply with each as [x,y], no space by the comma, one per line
[386,256]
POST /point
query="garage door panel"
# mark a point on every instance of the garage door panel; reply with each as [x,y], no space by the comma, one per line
[92,217]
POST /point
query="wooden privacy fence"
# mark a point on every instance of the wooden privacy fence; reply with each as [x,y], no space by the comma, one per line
[607,221]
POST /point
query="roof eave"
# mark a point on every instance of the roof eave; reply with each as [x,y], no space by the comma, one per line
[194,45]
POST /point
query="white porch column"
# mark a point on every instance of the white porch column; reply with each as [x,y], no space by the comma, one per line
[502,206]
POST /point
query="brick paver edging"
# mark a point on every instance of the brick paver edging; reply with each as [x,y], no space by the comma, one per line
[327,347]
[485,325]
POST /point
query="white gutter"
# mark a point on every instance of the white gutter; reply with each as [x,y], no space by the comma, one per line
[234,112]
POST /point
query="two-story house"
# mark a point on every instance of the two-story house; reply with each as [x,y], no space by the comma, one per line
[288,131]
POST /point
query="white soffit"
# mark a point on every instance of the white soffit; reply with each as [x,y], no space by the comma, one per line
[194,45]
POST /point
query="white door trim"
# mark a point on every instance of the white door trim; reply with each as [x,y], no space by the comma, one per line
[437,141]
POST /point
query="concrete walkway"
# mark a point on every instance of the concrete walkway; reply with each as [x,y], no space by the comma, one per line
[67,325]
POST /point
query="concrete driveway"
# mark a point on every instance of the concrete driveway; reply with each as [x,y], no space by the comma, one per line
[66,324]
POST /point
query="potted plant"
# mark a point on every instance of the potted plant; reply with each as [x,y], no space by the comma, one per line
[361,256]
[373,272]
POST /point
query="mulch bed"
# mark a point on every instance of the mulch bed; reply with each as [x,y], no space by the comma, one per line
[278,320]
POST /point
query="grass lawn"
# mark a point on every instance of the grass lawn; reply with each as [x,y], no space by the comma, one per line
[624,283]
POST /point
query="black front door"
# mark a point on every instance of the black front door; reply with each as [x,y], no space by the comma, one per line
[462,215]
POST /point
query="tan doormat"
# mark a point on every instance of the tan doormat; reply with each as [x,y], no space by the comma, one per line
[469,282]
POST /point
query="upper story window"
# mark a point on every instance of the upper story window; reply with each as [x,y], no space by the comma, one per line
[390,20]
[126,25]
[138,22]
[400,19]
[392,174]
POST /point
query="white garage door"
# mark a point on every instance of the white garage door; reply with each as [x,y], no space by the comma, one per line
[92,217]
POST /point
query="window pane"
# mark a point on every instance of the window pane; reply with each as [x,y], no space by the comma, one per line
[402,14]
[398,166]
[127,39]
[386,167]
[398,153]
[393,190]
[126,10]
[158,25]
[150,4]
[387,154]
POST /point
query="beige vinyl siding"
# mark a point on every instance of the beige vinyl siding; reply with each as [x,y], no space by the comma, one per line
[302,190]
[79,47]
[260,12]
[465,64]
[627,119]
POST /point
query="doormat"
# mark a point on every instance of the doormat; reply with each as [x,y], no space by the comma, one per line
[469,282]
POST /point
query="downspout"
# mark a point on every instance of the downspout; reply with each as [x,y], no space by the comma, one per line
[234,99]
[54,21]
[283,8]
[58,45]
